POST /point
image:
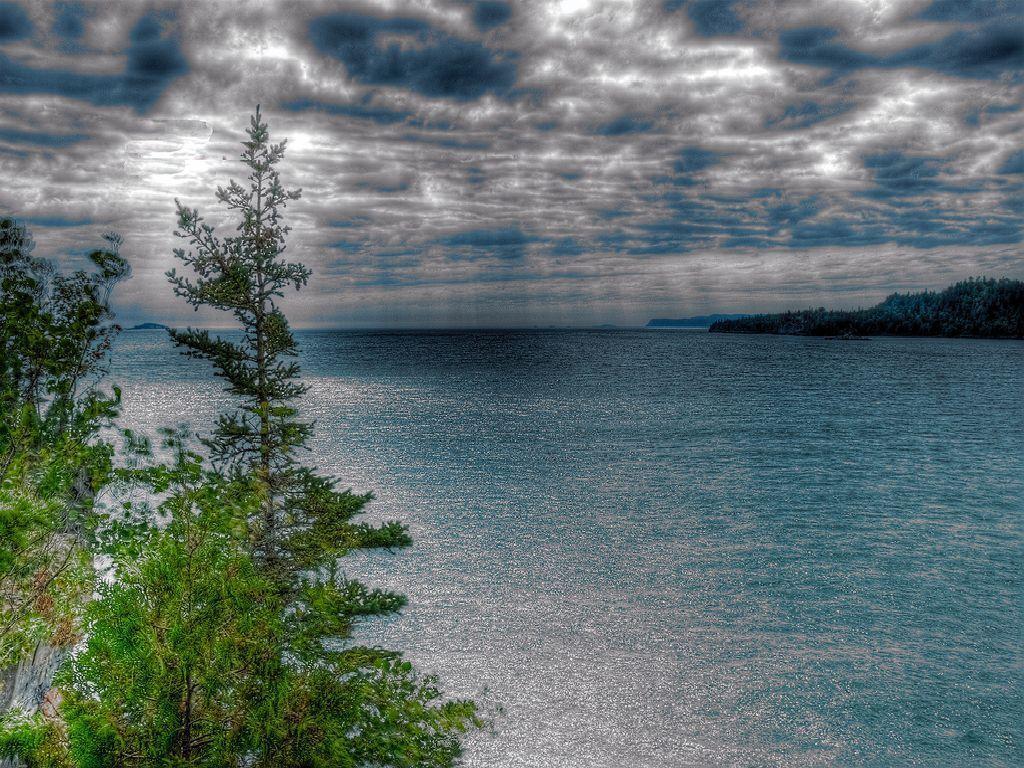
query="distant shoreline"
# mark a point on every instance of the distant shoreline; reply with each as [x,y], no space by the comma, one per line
[982,308]
[584,329]
[697,321]
[148,327]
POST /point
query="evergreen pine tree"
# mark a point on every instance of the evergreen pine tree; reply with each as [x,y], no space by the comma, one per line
[208,648]
[350,703]
[305,523]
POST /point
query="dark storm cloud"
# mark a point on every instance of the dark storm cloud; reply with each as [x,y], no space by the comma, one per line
[40,139]
[488,14]
[423,59]
[807,113]
[694,159]
[988,52]
[69,23]
[971,11]
[56,221]
[977,115]
[818,47]
[1014,163]
[710,18]
[501,243]
[383,115]
[896,174]
[831,231]
[153,60]
[567,246]
[14,22]
[532,162]
[624,124]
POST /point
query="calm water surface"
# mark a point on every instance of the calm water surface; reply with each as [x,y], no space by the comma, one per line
[647,549]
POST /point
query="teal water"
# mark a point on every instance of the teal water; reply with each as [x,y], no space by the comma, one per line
[646,549]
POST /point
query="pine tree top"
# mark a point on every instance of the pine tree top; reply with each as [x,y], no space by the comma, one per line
[305,523]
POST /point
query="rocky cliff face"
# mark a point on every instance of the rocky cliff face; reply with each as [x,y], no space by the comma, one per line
[26,685]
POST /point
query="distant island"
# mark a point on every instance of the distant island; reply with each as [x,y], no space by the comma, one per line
[698,321]
[148,327]
[982,308]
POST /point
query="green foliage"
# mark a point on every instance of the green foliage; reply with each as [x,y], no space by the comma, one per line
[183,664]
[355,706]
[224,635]
[224,638]
[55,333]
[179,647]
[304,523]
[242,275]
[36,740]
[975,308]
[46,573]
[367,708]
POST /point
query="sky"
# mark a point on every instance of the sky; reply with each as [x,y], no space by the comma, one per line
[561,162]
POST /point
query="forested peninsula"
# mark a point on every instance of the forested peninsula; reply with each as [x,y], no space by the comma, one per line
[983,308]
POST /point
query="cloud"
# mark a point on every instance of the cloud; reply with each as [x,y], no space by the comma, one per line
[897,174]
[624,124]
[807,113]
[69,23]
[987,52]
[608,161]
[976,115]
[488,14]
[567,246]
[780,212]
[816,47]
[1014,163]
[711,18]
[409,53]
[695,159]
[153,61]
[14,22]
[971,10]
[56,221]
[383,115]
[39,139]
[502,243]
[837,231]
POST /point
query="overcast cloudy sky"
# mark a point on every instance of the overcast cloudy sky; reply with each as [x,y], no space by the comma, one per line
[508,163]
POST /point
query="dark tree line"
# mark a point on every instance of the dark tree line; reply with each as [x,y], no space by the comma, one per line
[975,308]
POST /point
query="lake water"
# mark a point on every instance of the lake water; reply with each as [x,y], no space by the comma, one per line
[647,549]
